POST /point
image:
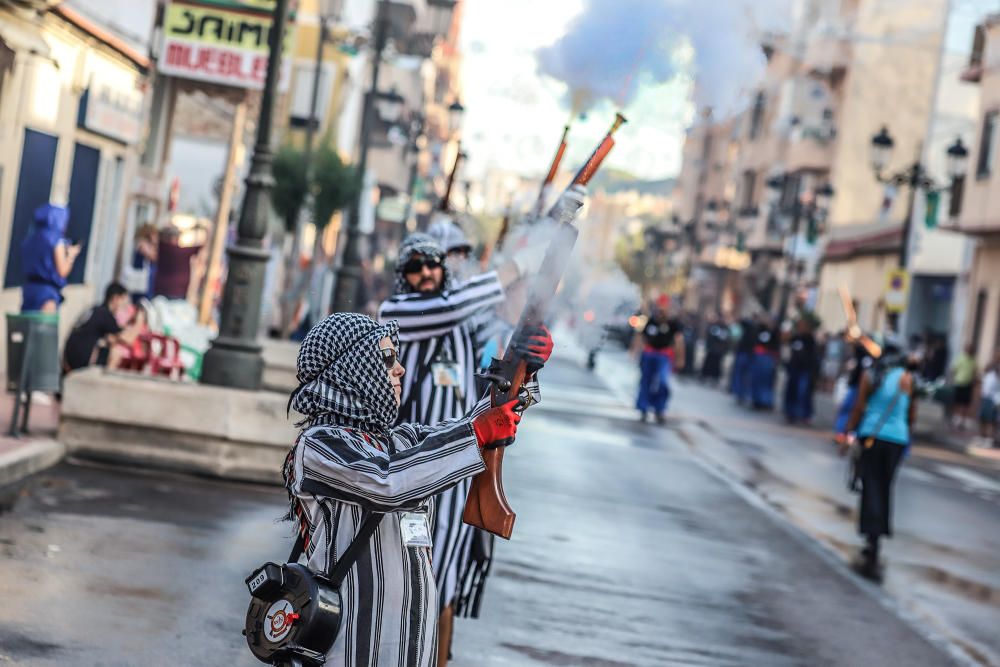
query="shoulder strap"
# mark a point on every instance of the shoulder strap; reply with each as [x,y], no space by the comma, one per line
[346,561]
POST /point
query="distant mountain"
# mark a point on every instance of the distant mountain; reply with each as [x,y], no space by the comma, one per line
[619,180]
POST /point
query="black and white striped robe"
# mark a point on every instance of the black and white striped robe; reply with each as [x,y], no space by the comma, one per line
[338,475]
[457,322]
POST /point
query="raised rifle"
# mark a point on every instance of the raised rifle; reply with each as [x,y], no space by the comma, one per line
[551,176]
[486,506]
[445,204]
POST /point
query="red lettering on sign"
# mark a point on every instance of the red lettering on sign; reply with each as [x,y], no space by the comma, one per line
[178,54]
[259,67]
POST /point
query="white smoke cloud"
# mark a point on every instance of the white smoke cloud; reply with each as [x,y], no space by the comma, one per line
[615,46]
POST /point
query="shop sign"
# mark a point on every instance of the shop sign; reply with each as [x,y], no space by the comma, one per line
[113,112]
[220,42]
[897,290]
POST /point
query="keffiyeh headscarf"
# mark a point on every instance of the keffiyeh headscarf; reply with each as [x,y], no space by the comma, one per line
[342,378]
[417,243]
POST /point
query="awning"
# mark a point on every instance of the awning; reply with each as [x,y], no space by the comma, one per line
[879,242]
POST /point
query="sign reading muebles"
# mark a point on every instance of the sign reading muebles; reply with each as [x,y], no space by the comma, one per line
[219,42]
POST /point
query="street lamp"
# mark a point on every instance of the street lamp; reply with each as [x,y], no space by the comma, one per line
[915,176]
[397,18]
[389,106]
[813,206]
[958,156]
[882,145]
[234,360]
[455,113]
[439,13]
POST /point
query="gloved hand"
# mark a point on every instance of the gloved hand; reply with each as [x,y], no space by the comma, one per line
[497,427]
[535,345]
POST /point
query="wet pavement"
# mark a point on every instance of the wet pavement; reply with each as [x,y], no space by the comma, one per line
[628,551]
[944,558]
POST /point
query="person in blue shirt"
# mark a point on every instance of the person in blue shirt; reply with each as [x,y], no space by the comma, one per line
[47,259]
[883,419]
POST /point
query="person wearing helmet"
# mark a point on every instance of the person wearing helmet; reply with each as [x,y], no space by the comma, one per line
[883,419]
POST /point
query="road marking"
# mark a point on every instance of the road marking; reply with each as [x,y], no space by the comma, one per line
[973,481]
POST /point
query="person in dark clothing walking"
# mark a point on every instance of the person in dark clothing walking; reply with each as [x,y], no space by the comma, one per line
[883,418]
[716,348]
[766,351]
[662,350]
[802,367]
[739,383]
[689,329]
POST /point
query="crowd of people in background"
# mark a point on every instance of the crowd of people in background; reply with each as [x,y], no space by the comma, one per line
[766,367]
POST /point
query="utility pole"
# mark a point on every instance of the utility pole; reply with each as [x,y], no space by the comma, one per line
[348,284]
[234,360]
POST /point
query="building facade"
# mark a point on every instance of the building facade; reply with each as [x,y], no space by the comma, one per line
[978,216]
[72,118]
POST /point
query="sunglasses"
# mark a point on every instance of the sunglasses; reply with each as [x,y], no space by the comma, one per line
[418,264]
[389,357]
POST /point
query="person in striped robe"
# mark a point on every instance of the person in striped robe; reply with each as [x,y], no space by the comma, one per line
[442,330]
[349,461]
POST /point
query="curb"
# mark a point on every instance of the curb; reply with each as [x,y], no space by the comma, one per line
[28,459]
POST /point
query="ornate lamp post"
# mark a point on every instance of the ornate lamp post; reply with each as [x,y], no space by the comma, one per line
[915,176]
[234,360]
[812,206]
[348,283]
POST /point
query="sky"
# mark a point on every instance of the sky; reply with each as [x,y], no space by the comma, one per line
[514,116]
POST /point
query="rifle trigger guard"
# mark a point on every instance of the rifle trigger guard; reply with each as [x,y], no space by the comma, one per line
[502,383]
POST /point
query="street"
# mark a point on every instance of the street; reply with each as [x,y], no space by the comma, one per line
[628,550]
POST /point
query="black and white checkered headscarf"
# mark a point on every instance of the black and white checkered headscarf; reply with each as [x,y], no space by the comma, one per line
[342,377]
[418,243]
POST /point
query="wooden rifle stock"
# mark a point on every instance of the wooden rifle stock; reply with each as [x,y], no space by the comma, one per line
[486,506]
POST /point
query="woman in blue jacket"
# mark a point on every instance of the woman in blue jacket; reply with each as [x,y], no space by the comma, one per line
[47,259]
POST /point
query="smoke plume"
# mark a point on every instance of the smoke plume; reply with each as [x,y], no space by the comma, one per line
[614,46]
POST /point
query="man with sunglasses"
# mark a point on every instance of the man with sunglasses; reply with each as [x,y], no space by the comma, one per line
[443,326]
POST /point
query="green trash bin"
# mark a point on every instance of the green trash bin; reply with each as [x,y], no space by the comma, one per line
[37,335]
[32,361]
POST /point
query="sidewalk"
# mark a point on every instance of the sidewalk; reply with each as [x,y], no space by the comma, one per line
[33,451]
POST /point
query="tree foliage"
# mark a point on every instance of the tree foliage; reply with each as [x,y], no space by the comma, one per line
[290,187]
[333,184]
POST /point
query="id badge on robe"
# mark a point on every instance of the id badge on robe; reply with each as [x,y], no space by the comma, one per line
[415,529]
[446,374]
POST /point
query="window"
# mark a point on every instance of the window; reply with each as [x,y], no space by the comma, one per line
[790,191]
[757,115]
[748,190]
[987,145]
[956,192]
[302,87]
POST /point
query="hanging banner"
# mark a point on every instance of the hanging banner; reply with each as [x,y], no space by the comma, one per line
[220,42]
[897,290]
[933,204]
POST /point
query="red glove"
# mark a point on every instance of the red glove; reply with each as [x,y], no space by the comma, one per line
[497,426]
[535,345]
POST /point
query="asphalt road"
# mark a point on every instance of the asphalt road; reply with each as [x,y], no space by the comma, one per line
[628,550]
[944,558]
